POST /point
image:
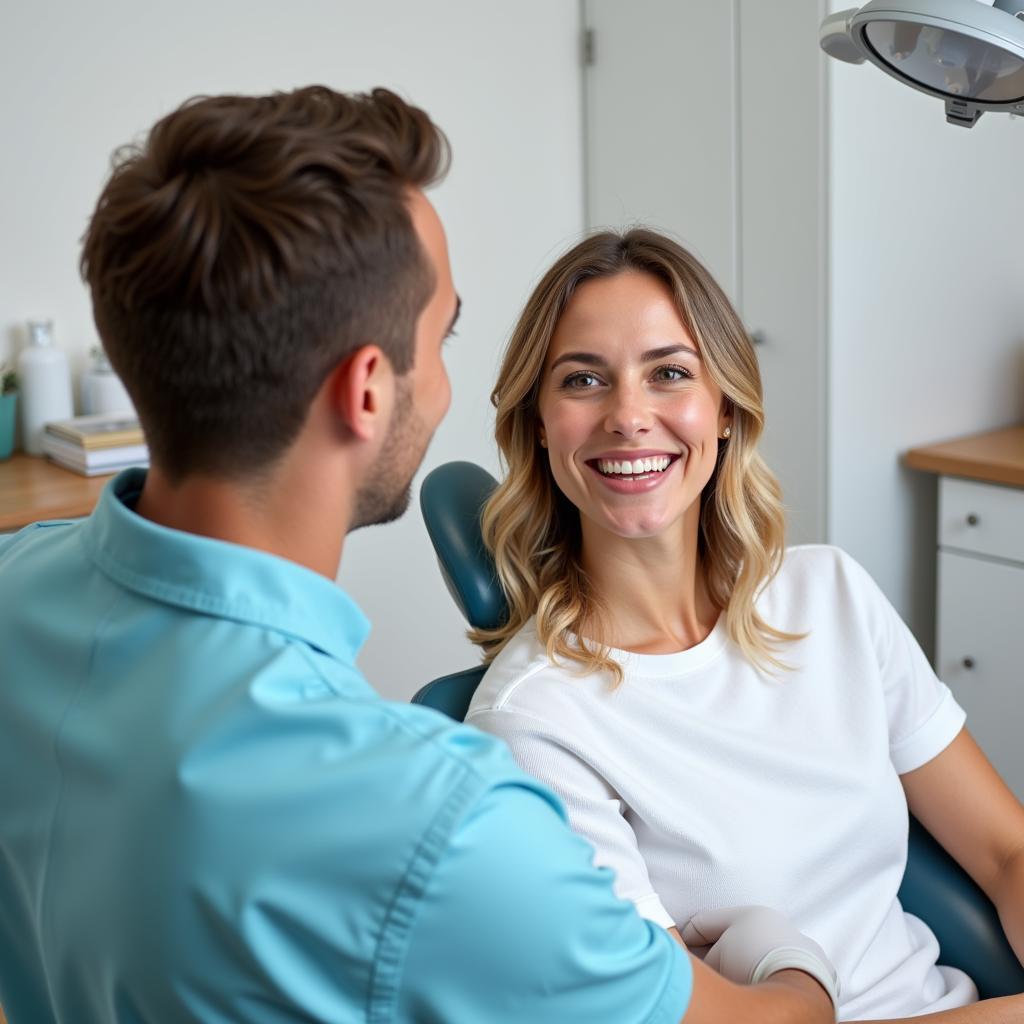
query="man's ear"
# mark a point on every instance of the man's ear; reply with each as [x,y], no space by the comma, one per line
[362,389]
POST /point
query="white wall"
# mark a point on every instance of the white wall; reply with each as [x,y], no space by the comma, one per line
[81,78]
[926,312]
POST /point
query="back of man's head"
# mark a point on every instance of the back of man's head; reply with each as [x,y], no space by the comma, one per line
[244,251]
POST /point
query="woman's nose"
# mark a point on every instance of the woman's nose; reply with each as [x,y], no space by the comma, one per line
[628,413]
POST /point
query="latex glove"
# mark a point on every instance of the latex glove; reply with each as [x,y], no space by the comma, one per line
[750,943]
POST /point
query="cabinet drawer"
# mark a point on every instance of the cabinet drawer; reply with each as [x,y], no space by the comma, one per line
[985,518]
[980,654]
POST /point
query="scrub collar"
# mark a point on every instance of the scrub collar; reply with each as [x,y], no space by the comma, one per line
[217,577]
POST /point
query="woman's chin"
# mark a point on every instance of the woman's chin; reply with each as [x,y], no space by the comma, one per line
[634,528]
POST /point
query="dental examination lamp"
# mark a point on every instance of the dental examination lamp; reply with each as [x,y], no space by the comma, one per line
[965,52]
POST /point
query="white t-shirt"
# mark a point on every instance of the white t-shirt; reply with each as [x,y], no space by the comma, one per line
[704,783]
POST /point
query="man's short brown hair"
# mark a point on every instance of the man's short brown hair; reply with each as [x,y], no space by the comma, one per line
[244,250]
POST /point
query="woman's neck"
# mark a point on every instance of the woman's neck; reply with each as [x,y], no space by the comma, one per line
[652,590]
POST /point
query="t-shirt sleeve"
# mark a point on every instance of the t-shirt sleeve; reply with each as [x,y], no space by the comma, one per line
[924,717]
[595,810]
[516,924]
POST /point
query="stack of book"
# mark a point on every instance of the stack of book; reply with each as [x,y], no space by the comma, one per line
[93,445]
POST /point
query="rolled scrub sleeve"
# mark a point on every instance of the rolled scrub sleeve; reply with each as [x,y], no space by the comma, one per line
[514,923]
[594,808]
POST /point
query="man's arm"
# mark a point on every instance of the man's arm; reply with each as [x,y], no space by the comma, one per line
[514,923]
[787,997]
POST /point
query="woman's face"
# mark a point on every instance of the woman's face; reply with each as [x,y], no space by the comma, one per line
[629,415]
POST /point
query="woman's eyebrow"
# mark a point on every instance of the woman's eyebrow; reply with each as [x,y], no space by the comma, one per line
[592,359]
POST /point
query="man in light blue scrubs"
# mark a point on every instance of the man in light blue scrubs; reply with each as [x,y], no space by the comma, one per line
[206,812]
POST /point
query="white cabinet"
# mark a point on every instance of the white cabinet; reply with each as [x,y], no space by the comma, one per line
[980,648]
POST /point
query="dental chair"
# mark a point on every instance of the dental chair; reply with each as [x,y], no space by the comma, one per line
[935,888]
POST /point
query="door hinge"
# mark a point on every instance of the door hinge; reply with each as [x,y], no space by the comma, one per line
[587,47]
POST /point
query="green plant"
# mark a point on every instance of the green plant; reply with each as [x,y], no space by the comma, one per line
[8,381]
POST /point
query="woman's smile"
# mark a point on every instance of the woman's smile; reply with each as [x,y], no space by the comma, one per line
[636,474]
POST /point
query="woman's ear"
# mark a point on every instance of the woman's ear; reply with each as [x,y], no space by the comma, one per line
[725,419]
[362,390]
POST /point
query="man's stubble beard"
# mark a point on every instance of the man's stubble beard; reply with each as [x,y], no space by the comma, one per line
[386,495]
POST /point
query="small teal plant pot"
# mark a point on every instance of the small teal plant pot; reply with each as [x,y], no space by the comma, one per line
[8,406]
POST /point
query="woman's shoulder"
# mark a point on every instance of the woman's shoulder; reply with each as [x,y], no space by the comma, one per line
[522,678]
[823,563]
[822,576]
[520,658]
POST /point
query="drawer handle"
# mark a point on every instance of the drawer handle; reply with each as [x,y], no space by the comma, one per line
[972,520]
[968,663]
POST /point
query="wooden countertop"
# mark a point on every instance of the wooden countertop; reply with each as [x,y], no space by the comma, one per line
[996,457]
[33,488]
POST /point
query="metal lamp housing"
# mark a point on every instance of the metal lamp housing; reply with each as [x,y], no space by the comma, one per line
[968,54]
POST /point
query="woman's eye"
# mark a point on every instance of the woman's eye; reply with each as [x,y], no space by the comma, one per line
[580,380]
[672,373]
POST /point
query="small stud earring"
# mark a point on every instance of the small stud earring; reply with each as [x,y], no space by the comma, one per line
[727,433]
[543,443]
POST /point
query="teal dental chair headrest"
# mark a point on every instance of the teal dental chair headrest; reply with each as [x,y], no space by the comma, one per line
[451,499]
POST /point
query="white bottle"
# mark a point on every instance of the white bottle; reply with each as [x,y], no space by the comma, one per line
[102,390]
[45,385]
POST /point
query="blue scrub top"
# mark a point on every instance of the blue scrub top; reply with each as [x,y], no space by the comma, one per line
[207,814]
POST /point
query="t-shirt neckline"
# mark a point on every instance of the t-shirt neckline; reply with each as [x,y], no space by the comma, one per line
[677,662]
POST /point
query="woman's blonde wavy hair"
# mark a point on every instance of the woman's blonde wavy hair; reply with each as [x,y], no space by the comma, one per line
[533,531]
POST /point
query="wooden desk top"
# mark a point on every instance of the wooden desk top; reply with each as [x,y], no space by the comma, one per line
[33,488]
[996,457]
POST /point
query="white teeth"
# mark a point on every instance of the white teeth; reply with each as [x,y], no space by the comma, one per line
[636,467]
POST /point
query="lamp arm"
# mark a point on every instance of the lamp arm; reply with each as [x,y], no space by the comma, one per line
[835,39]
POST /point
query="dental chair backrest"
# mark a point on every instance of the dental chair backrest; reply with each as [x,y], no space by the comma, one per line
[935,888]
